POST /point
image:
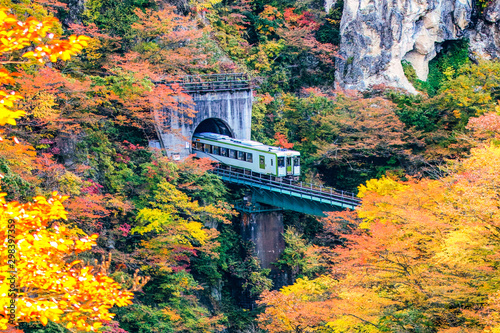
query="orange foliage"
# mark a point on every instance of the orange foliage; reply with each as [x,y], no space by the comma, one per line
[38,277]
[49,287]
[298,31]
[282,141]
[18,35]
[289,312]
[176,36]
[486,126]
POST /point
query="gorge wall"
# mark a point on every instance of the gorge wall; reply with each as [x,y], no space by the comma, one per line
[376,35]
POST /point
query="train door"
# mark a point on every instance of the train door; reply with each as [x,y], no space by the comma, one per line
[262,162]
[296,166]
[289,166]
[281,167]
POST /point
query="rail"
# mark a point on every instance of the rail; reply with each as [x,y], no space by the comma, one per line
[213,82]
[305,190]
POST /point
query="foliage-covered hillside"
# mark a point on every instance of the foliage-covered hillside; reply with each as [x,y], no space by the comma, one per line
[96,223]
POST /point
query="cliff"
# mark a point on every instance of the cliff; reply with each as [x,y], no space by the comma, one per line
[376,35]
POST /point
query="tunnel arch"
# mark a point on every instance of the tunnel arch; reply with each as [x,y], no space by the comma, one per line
[214,125]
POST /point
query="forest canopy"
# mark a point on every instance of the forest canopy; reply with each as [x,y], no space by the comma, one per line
[101,232]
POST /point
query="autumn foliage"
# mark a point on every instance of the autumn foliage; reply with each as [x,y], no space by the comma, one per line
[39,279]
[19,35]
[49,285]
[423,255]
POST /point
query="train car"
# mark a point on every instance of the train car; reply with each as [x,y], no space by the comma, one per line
[248,155]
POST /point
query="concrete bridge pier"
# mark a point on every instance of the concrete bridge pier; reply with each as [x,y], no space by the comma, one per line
[264,228]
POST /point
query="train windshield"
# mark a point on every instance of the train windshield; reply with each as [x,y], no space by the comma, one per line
[281,161]
[249,157]
[296,161]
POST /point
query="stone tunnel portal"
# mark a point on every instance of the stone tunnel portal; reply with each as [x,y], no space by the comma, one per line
[214,125]
[223,105]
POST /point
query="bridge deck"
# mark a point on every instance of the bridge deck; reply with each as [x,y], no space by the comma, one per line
[307,192]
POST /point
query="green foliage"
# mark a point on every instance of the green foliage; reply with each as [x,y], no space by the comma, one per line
[235,274]
[454,55]
[472,91]
[411,75]
[416,111]
[469,91]
[115,17]
[300,258]
[39,328]
[329,32]
[238,260]
[443,67]
[14,185]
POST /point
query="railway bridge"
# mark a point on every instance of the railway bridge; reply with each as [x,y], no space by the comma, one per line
[223,105]
[285,194]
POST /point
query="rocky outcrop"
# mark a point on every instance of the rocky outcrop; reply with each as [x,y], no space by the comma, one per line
[75,12]
[329,4]
[376,35]
[485,36]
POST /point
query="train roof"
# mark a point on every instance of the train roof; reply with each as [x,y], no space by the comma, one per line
[249,143]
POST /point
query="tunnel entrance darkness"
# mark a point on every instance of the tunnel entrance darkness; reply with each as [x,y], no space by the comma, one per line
[214,125]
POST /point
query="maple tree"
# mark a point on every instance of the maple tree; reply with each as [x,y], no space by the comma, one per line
[38,273]
[305,306]
[19,35]
[422,255]
[53,289]
[282,141]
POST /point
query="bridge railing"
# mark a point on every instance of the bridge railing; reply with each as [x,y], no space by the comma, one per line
[213,82]
[298,187]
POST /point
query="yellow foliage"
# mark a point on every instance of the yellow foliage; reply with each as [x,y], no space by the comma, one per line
[307,289]
[205,4]
[16,35]
[195,230]
[44,106]
[49,287]
[382,186]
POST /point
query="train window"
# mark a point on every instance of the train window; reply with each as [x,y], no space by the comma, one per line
[241,155]
[216,150]
[249,157]
[199,146]
[262,162]
[194,145]
[296,161]
[281,161]
[271,161]
[232,153]
[223,151]
[208,148]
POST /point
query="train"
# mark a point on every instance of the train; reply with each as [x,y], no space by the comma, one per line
[248,155]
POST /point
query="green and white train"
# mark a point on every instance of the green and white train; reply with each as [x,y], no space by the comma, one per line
[248,155]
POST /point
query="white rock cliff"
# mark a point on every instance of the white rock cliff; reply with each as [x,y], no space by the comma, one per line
[376,35]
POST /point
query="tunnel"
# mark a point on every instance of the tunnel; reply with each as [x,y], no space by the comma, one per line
[214,125]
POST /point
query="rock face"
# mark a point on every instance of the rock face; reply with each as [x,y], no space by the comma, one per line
[376,35]
[485,36]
